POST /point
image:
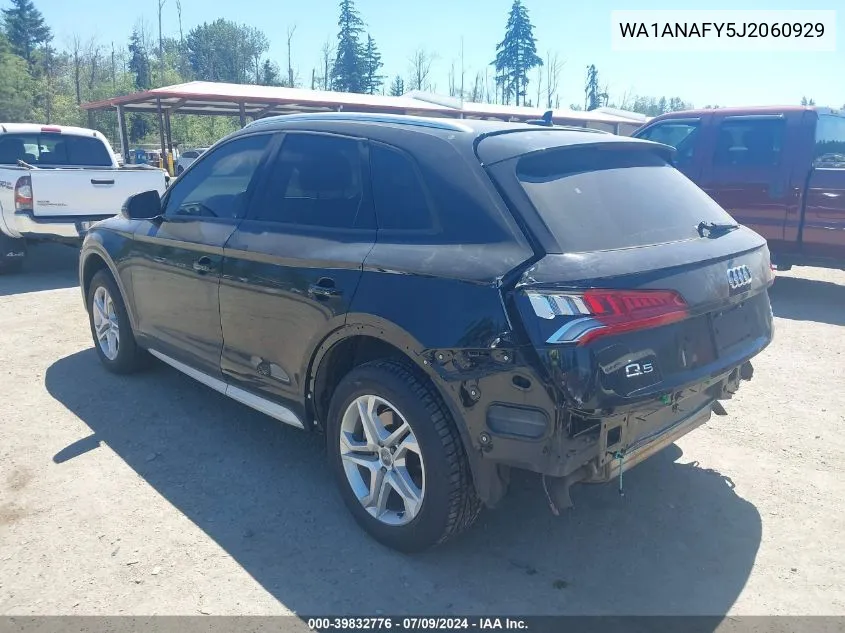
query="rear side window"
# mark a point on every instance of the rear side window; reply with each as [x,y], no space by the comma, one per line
[401,200]
[595,199]
[54,150]
[682,135]
[830,142]
[317,180]
[749,143]
[190,155]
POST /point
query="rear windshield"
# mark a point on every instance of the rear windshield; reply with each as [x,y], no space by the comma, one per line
[595,199]
[53,150]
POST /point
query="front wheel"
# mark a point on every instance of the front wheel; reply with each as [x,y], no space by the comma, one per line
[398,458]
[110,326]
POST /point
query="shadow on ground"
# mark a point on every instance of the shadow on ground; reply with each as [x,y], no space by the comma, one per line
[47,267]
[681,541]
[808,300]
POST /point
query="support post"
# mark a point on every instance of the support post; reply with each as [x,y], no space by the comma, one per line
[169,131]
[161,134]
[242,109]
[124,139]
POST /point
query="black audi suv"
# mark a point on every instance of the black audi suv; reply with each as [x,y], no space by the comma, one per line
[444,300]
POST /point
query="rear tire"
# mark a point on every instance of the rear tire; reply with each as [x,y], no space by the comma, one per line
[110,327]
[417,488]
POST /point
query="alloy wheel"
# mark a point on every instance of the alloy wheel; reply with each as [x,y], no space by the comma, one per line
[382,460]
[106,327]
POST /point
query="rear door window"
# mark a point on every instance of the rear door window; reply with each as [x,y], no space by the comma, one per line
[605,198]
[682,135]
[749,142]
[830,142]
[317,180]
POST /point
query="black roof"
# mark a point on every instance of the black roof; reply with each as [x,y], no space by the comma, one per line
[500,140]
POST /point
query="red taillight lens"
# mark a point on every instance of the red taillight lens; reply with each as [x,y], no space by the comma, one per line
[51,129]
[606,312]
[624,310]
[23,194]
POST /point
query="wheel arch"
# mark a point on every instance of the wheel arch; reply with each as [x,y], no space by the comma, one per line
[365,339]
[94,259]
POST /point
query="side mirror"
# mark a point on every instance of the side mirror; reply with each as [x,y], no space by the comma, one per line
[143,206]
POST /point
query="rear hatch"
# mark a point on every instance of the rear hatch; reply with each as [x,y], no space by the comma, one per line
[645,287]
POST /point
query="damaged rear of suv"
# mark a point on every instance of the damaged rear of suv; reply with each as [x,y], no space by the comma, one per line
[446,301]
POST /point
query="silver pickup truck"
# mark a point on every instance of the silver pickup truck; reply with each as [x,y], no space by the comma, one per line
[56,181]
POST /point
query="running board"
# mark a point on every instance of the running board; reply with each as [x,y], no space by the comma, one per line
[267,407]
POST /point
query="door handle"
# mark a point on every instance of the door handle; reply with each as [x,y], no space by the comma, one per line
[204,265]
[95,181]
[324,288]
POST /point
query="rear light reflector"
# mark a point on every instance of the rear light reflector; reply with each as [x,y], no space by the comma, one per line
[606,312]
[23,194]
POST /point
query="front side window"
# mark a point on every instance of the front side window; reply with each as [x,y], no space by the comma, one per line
[317,181]
[749,143]
[682,135]
[830,142]
[216,187]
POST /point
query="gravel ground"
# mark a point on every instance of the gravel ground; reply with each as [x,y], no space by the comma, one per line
[152,494]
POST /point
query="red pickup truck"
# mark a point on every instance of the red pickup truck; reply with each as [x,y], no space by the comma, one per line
[777,170]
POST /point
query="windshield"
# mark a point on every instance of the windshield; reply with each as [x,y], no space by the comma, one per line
[598,198]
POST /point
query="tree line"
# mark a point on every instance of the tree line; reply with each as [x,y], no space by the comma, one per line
[42,82]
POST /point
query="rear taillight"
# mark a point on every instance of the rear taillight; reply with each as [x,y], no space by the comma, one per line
[23,194]
[51,129]
[596,313]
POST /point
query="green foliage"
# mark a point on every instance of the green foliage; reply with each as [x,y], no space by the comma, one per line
[270,74]
[226,51]
[372,64]
[349,66]
[16,86]
[25,29]
[516,55]
[595,98]
[807,102]
[397,86]
[139,62]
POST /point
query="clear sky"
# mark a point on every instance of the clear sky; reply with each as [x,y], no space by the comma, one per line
[578,31]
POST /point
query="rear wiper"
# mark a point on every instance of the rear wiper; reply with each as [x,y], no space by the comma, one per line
[715,229]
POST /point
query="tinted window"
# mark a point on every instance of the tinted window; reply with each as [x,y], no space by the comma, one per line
[54,149]
[216,186]
[682,135]
[830,142]
[315,181]
[595,199]
[400,198]
[189,155]
[749,142]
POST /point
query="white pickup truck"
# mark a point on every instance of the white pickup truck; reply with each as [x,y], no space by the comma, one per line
[56,181]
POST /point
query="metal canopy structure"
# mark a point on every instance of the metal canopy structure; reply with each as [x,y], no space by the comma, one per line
[255,102]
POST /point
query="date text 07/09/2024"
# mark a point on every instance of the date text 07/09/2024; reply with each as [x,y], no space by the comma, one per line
[415,623]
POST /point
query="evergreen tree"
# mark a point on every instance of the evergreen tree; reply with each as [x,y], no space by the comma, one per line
[348,72]
[595,98]
[270,74]
[372,63]
[26,29]
[397,87]
[139,62]
[516,55]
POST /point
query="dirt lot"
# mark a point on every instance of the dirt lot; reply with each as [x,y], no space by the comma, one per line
[154,495]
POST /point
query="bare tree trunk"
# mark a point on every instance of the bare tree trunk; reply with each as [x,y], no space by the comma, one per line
[291,31]
[463,72]
[160,44]
[313,79]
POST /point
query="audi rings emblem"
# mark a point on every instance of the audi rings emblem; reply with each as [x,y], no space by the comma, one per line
[738,277]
